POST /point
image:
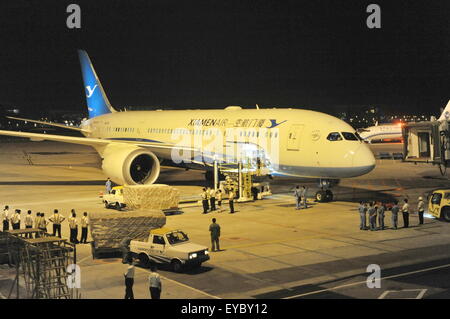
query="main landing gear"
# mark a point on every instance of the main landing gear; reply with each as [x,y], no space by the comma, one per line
[325,194]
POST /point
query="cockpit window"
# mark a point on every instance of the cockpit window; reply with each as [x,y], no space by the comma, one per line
[349,136]
[335,136]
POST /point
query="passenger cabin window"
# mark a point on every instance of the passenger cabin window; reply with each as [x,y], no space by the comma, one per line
[159,240]
[349,136]
[335,136]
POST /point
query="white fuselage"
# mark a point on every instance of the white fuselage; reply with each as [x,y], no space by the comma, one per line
[296,142]
[382,132]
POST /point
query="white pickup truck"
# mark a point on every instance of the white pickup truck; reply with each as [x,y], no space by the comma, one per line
[166,245]
[114,199]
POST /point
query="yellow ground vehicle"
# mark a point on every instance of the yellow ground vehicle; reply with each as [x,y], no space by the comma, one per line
[439,204]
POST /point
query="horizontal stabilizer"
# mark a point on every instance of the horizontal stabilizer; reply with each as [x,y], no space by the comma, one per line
[74,128]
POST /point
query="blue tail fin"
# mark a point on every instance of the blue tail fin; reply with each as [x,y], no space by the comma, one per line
[97,101]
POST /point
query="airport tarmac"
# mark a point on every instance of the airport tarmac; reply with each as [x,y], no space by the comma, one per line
[270,250]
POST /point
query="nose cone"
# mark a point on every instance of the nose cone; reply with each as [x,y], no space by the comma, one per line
[363,160]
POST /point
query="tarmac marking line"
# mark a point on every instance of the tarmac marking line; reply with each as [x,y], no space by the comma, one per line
[84,259]
[2,296]
[185,286]
[419,296]
[363,282]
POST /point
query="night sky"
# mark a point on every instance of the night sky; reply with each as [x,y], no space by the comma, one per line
[210,54]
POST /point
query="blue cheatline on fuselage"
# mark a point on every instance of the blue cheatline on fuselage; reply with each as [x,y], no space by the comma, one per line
[131,139]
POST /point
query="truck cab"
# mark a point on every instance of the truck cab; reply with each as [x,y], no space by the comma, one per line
[439,204]
[169,246]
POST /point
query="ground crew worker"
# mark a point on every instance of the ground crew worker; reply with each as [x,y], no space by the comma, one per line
[37,221]
[43,223]
[380,212]
[212,198]
[219,199]
[11,215]
[73,225]
[395,209]
[125,247]
[204,196]
[420,210]
[155,283]
[372,217]
[129,280]
[304,194]
[231,201]
[362,215]
[298,196]
[214,229]
[56,219]
[108,186]
[5,218]
[405,212]
[15,220]
[84,228]
[29,224]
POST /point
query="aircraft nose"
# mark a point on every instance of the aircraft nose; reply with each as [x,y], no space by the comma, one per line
[363,159]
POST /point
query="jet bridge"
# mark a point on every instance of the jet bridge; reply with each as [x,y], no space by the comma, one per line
[427,142]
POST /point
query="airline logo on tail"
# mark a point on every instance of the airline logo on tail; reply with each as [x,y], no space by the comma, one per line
[90,91]
[97,102]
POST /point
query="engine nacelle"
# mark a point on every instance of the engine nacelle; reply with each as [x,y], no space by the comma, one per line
[130,165]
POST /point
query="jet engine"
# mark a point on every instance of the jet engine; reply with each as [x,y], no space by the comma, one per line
[130,165]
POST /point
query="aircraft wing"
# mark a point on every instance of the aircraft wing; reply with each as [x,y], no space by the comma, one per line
[90,141]
[74,128]
[57,138]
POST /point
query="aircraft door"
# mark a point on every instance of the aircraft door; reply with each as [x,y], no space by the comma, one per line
[294,137]
[424,144]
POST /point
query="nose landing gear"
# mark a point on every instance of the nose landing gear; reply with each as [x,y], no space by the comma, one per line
[325,194]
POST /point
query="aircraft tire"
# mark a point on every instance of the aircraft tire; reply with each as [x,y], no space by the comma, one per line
[320,196]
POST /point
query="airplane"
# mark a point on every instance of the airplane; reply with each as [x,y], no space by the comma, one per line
[392,131]
[384,132]
[293,143]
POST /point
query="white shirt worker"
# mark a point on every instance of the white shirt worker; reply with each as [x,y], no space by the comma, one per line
[15,219]
[84,222]
[29,220]
[154,280]
[72,222]
[56,219]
